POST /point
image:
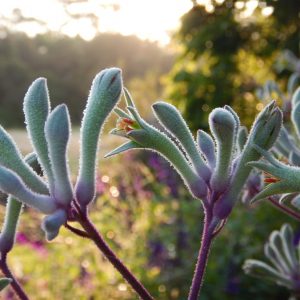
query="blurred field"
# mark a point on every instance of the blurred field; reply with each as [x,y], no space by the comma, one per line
[146,215]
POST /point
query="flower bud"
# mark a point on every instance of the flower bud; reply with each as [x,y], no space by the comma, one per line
[52,223]
[223,127]
[12,212]
[11,183]
[264,133]
[57,131]
[36,110]
[207,147]
[172,120]
[104,95]
[11,158]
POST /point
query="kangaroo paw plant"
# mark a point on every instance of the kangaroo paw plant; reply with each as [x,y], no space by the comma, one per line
[284,261]
[213,166]
[53,194]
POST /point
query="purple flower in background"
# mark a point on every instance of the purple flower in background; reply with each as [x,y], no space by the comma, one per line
[23,239]
[164,173]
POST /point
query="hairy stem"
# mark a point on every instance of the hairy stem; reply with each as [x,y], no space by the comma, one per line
[207,238]
[14,284]
[93,233]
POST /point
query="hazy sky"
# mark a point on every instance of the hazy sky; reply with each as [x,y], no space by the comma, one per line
[148,19]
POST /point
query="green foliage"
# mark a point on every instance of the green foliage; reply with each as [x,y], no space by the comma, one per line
[225,55]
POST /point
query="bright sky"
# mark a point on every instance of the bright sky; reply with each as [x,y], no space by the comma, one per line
[148,19]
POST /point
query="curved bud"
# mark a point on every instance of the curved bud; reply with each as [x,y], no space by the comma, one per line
[11,183]
[172,120]
[264,133]
[36,110]
[104,95]
[287,237]
[157,141]
[260,269]
[13,211]
[52,223]
[57,132]
[207,146]
[10,157]
[276,259]
[223,127]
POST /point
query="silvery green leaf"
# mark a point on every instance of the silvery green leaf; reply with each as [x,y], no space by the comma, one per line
[121,113]
[125,147]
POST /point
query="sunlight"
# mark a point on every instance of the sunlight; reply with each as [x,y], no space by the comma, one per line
[152,20]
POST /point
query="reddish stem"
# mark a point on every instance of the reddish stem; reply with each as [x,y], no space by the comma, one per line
[284,209]
[14,284]
[93,233]
[207,238]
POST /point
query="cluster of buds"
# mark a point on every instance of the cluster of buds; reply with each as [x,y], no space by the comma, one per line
[284,177]
[49,132]
[213,166]
[283,255]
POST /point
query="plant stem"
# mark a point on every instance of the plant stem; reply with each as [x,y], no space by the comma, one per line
[284,209]
[110,255]
[14,284]
[207,238]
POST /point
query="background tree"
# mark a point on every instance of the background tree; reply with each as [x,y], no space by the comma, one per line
[227,48]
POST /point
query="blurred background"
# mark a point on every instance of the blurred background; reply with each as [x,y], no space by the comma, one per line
[197,55]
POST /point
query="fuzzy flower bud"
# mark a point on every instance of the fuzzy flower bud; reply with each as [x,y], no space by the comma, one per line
[104,95]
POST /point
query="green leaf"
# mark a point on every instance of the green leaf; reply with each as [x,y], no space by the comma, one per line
[4,282]
[125,147]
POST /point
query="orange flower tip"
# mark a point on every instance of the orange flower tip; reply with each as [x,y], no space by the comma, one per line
[271,180]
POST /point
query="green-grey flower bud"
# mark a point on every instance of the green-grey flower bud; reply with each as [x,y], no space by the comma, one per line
[36,110]
[157,141]
[11,183]
[12,212]
[10,157]
[223,127]
[172,120]
[57,131]
[104,95]
[52,223]
[264,133]
[207,147]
